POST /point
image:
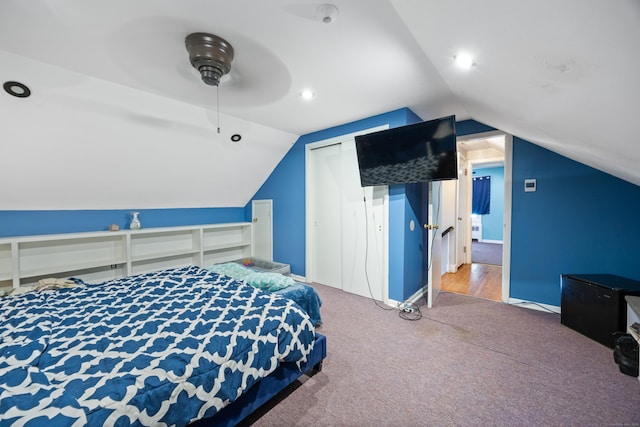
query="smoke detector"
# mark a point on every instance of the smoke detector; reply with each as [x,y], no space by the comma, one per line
[327,13]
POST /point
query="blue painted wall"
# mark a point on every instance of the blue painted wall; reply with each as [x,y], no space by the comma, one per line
[397,231]
[468,127]
[492,223]
[414,278]
[23,223]
[579,220]
[406,257]
[286,187]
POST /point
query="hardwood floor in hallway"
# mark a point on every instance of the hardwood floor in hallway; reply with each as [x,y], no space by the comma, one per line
[478,280]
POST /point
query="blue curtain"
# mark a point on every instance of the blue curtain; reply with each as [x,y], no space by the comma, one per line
[481,195]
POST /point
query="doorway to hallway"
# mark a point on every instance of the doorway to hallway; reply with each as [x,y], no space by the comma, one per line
[482,270]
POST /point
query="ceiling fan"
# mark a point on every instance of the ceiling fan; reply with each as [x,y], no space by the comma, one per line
[210,55]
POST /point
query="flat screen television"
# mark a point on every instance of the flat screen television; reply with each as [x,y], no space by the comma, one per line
[420,152]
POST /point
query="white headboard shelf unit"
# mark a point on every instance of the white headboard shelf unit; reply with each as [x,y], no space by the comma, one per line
[104,255]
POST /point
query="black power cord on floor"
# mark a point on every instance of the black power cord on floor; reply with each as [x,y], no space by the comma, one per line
[409,311]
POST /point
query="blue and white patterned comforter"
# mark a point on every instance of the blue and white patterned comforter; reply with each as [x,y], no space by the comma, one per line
[163,348]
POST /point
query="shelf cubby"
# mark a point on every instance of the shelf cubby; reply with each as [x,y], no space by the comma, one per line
[59,255]
[162,244]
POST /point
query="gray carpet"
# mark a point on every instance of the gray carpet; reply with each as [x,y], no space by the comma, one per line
[486,253]
[468,361]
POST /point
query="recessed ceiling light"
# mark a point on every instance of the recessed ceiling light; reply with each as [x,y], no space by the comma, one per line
[16,89]
[464,60]
[307,94]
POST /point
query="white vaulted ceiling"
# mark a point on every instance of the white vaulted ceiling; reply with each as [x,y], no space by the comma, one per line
[119,119]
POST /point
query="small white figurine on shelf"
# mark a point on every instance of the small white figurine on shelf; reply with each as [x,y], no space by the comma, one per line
[135,222]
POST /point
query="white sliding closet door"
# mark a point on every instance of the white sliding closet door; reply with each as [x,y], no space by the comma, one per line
[347,241]
[362,260]
[326,215]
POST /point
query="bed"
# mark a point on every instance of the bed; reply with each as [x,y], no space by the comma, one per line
[165,348]
[268,276]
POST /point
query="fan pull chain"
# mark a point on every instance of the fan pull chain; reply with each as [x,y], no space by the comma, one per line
[218,105]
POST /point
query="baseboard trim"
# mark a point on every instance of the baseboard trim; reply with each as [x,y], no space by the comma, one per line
[392,303]
[413,299]
[298,278]
[534,305]
[491,241]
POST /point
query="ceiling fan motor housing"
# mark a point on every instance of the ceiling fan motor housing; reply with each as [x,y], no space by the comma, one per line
[210,55]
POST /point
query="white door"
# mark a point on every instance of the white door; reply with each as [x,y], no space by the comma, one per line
[262,229]
[435,241]
[326,194]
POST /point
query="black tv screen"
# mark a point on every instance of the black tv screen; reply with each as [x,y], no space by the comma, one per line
[421,152]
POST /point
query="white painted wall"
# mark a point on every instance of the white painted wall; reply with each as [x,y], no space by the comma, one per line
[83,143]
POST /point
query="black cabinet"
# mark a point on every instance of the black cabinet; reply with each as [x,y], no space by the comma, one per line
[594,305]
